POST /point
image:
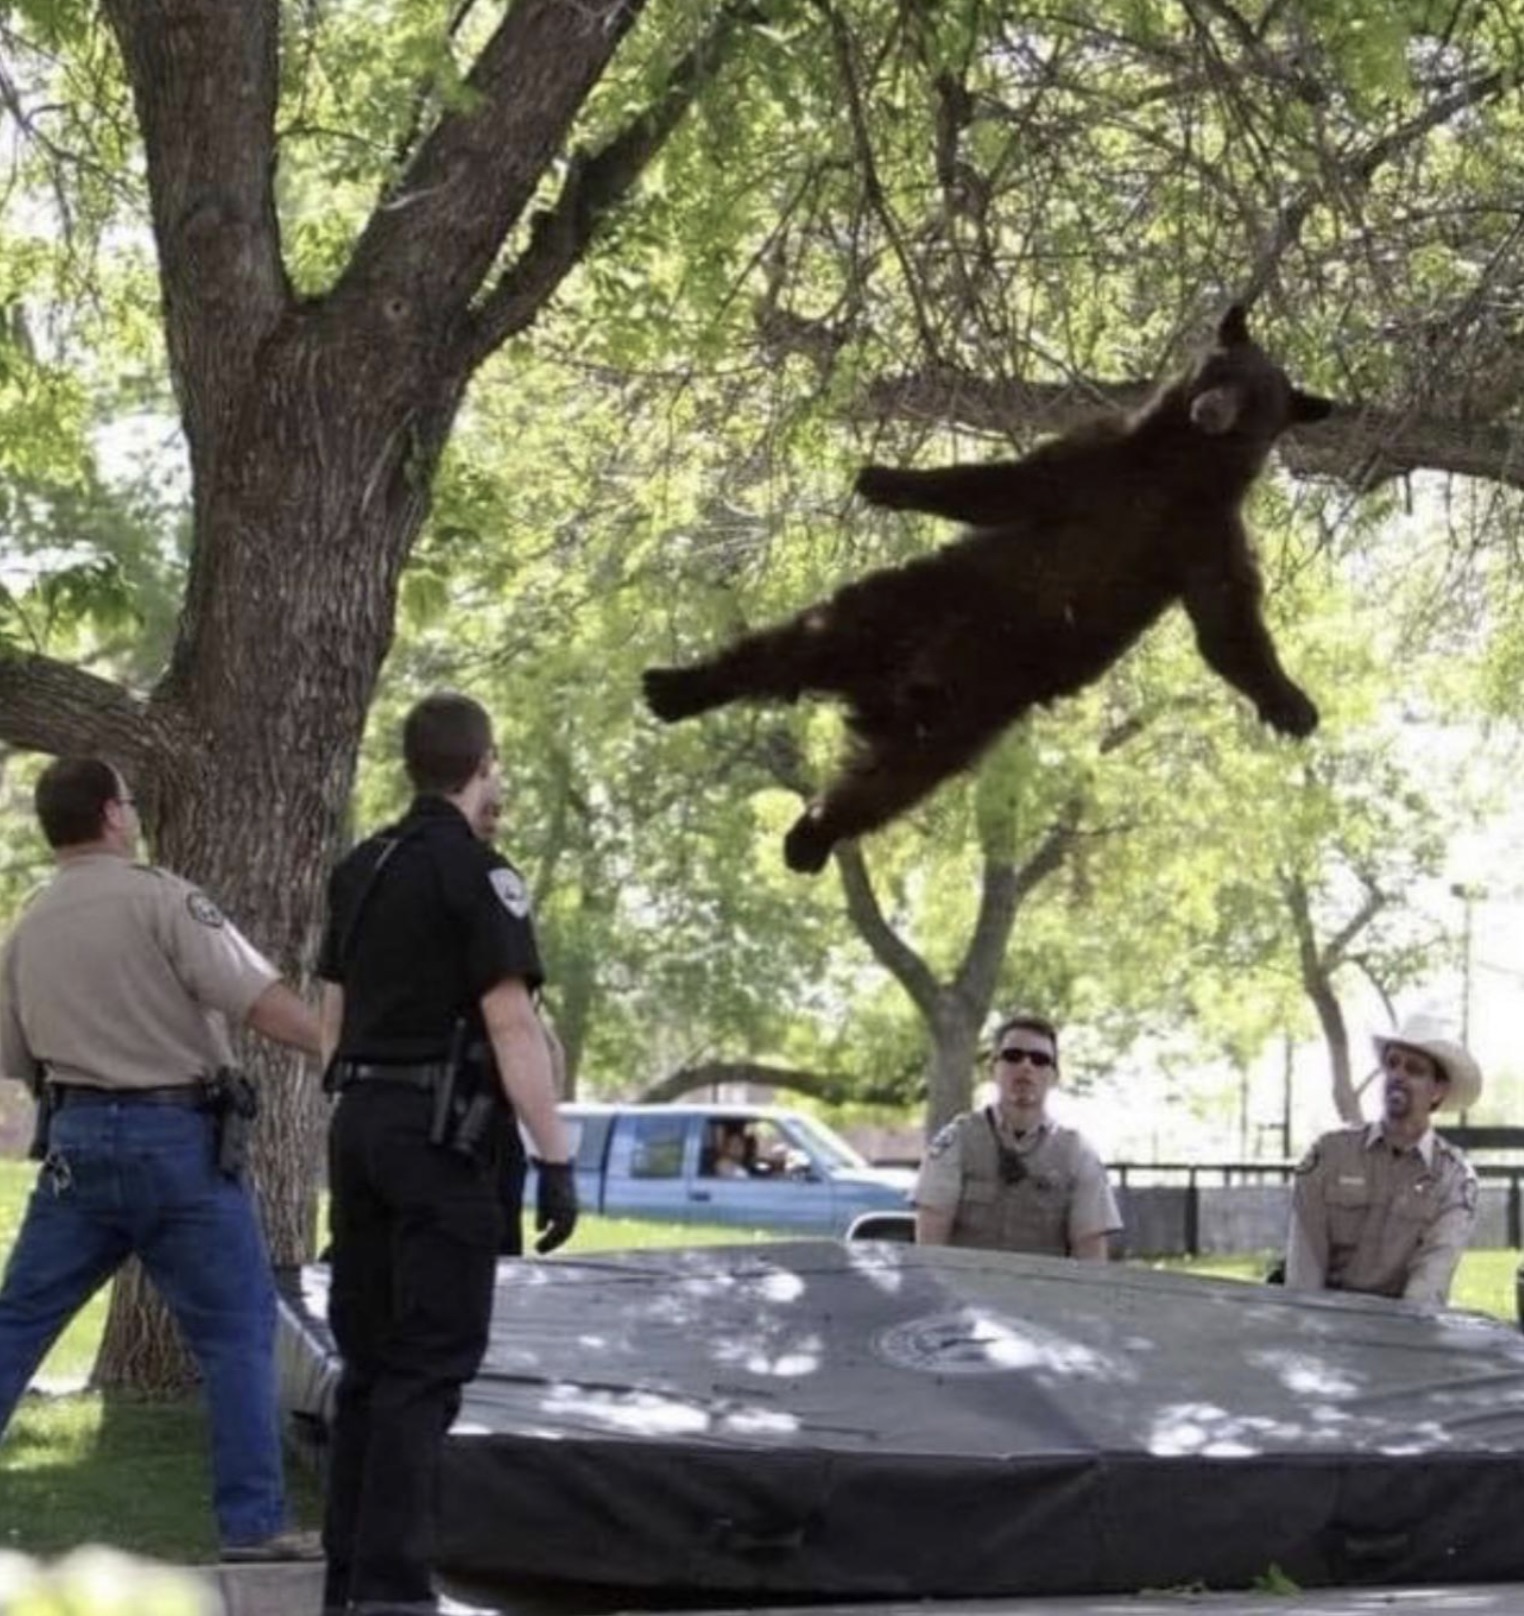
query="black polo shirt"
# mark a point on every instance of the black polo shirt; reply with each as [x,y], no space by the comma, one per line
[445,920]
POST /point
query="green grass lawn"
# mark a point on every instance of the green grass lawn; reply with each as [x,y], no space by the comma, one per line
[1484,1282]
[79,1468]
[76,1467]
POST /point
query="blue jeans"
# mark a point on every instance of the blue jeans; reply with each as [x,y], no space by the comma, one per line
[132,1178]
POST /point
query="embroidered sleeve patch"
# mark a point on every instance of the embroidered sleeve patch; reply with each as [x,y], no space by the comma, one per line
[943,1140]
[511,891]
[203,909]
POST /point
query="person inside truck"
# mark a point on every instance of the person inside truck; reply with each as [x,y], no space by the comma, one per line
[735,1151]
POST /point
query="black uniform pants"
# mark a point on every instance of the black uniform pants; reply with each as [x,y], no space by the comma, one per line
[416,1230]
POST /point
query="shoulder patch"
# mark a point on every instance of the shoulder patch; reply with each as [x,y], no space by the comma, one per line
[1470,1194]
[1309,1162]
[512,893]
[202,909]
[944,1139]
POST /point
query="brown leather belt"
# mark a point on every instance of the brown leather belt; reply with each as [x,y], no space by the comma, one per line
[190,1094]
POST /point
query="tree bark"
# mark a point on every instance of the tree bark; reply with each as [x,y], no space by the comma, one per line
[319,500]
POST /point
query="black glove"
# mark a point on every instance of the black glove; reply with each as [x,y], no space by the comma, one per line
[555,1204]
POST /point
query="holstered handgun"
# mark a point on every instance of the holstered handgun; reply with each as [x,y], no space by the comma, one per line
[42,1117]
[233,1102]
[442,1119]
[473,1124]
[463,1110]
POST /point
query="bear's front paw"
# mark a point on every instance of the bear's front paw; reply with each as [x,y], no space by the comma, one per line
[879,485]
[1292,713]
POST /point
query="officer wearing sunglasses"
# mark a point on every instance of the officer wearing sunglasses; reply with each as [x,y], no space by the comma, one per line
[1007,1177]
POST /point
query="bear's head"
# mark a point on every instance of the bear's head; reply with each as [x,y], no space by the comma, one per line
[1238,394]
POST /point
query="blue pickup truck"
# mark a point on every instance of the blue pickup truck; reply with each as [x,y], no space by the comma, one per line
[759,1167]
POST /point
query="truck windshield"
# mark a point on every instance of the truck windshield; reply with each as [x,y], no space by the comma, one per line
[826,1146]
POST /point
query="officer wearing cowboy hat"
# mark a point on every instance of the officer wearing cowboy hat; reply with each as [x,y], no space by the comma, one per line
[1387,1207]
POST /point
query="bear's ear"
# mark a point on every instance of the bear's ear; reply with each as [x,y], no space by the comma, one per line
[1309,406]
[1233,328]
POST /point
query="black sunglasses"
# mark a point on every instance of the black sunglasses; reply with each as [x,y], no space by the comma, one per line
[1039,1058]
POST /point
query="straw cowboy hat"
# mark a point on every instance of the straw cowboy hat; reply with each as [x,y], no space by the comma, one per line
[1427,1035]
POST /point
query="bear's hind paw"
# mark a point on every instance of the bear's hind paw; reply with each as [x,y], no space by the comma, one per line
[673,693]
[807,848]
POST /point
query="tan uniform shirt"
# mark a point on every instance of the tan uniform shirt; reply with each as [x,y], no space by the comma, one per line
[1366,1216]
[1061,1198]
[122,976]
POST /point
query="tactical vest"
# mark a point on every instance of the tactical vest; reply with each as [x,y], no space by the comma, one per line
[1032,1215]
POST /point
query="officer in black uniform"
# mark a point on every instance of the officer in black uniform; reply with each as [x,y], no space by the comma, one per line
[429,967]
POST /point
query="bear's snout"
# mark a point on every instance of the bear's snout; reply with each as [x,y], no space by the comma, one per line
[1216,410]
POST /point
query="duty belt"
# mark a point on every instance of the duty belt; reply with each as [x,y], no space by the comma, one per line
[191,1094]
[426,1075]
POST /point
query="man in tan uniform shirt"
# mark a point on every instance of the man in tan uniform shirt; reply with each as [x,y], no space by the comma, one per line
[1008,1177]
[1387,1207]
[117,987]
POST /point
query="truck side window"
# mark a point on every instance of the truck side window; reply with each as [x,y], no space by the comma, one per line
[778,1153]
[656,1150]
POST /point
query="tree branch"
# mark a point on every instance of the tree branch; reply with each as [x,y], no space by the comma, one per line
[595,184]
[884,943]
[48,706]
[1006,887]
[428,247]
[819,1085]
[204,79]
[1334,950]
[1317,983]
[1000,897]
[1358,172]
[1361,447]
[873,187]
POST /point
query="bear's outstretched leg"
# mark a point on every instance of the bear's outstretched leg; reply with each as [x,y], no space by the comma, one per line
[887,777]
[774,664]
[1222,599]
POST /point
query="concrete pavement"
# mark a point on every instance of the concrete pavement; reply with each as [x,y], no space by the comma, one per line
[295,1590]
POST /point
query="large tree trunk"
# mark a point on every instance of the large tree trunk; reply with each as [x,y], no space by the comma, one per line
[951,1061]
[290,613]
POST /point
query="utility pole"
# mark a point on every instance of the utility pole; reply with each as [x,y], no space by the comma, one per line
[1470,893]
[1286,1099]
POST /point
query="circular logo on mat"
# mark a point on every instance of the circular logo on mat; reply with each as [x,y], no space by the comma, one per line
[980,1341]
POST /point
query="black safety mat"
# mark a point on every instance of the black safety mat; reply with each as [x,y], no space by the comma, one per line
[862,1419]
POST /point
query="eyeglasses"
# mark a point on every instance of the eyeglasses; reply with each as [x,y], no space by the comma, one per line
[127,802]
[1411,1064]
[1039,1058]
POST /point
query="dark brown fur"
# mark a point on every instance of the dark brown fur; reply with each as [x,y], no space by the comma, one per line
[1070,554]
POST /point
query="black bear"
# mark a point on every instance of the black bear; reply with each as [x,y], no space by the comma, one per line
[1072,552]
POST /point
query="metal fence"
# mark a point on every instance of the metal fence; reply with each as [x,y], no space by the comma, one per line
[1204,1209]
